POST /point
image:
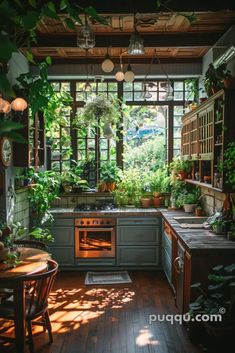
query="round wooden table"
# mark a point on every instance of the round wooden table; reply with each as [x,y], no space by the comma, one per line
[32,261]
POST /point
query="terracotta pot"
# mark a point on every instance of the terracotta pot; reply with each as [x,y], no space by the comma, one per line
[156,201]
[189,208]
[102,187]
[145,202]
[183,175]
[229,83]
[199,212]
[111,186]
[207,179]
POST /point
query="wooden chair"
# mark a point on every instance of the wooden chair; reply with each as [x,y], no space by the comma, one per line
[36,301]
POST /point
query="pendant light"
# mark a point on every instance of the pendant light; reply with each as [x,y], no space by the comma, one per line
[19,104]
[136,46]
[107,65]
[86,36]
[129,75]
[120,74]
[87,86]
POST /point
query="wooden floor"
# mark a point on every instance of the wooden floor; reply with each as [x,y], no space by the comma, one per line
[113,318]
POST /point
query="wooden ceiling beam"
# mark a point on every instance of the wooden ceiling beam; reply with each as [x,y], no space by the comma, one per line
[122,40]
[140,6]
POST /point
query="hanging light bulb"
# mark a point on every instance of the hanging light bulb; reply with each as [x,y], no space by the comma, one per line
[86,36]
[136,46]
[19,104]
[129,75]
[6,107]
[107,65]
[120,74]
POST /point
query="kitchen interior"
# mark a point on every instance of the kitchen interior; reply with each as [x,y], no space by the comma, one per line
[117,167]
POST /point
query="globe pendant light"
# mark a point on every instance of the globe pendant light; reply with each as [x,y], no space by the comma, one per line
[107,65]
[86,37]
[129,74]
[120,74]
[19,104]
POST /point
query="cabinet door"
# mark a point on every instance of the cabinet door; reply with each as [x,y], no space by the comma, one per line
[138,235]
[137,256]
[64,255]
[64,236]
[174,256]
[130,221]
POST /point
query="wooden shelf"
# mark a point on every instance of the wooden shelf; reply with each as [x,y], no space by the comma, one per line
[199,183]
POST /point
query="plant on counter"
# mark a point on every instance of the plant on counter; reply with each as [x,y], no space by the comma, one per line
[190,201]
[71,180]
[220,293]
[160,184]
[43,192]
[129,189]
[110,174]
[180,167]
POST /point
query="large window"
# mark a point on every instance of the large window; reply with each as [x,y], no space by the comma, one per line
[151,116]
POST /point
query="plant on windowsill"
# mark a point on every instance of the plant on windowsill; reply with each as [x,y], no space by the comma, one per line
[129,190]
[180,168]
[219,295]
[146,193]
[110,174]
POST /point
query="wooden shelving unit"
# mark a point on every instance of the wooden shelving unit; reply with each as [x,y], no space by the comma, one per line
[206,132]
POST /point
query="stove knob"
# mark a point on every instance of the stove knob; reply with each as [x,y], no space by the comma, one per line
[107,222]
[88,222]
[101,222]
[81,222]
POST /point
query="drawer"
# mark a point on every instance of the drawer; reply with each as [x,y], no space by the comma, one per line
[138,256]
[64,256]
[63,222]
[63,236]
[166,264]
[140,221]
[138,235]
[166,244]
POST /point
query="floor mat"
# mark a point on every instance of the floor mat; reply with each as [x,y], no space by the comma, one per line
[115,277]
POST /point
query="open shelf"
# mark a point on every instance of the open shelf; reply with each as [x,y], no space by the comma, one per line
[199,183]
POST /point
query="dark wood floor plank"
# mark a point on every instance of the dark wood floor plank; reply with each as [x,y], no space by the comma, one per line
[113,318]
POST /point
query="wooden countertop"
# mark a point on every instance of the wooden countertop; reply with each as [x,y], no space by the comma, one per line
[116,212]
[198,239]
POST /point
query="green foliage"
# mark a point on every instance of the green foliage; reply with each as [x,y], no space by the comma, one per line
[129,190]
[19,21]
[160,180]
[220,293]
[10,129]
[214,77]
[229,164]
[192,90]
[10,232]
[150,155]
[110,173]
[190,199]
[99,111]
[43,193]
[42,234]
[179,165]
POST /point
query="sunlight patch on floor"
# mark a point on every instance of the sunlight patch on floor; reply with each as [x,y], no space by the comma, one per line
[145,338]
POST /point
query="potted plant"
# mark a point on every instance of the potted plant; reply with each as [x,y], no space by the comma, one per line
[180,167]
[100,111]
[199,211]
[129,190]
[214,77]
[8,234]
[220,293]
[110,174]
[190,202]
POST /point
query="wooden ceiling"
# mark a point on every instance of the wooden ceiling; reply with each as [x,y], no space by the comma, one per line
[170,35]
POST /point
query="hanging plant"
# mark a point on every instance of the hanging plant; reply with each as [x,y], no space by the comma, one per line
[99,111]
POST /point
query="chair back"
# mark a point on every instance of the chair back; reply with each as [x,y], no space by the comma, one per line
[39,289]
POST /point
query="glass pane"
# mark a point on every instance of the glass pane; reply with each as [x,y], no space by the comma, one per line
[81,144]
[178,96]
[65,165]
[104,155]
[177,132]
[128,96]
[177,143]
[178,86]
[103,144]
[55,166]
[138,86]
[65,86]
[56,86]
[112,86]
[138,96]
[102,87]
[127,86]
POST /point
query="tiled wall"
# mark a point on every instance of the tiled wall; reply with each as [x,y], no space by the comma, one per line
[72,199]
[21,207]
[212,200]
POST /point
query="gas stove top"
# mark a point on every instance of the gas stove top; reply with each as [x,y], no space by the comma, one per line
[101,206]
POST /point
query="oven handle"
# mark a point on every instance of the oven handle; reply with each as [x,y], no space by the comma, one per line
[95,229]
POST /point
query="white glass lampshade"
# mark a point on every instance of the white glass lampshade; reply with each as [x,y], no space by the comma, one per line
[2,103]
[19,104]
[129,74]
[119,76]
[136,46]
[107,65]
[86,37]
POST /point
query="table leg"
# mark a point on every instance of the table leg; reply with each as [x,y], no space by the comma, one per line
[19,309]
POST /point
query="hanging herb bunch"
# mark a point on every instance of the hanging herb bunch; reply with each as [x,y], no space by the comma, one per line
[100,111]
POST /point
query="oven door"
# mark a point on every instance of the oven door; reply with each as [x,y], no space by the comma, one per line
[94,242]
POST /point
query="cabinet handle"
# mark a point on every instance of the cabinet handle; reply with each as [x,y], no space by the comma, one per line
[176,264]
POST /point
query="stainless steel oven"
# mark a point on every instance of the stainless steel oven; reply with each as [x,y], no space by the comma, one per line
[94,237]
